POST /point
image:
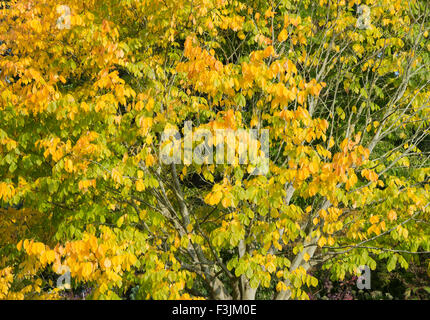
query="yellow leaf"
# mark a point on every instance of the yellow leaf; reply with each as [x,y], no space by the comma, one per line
[373,176]
[269,51]
[142,214]
[107,263]
[281,286]
[68,166]
[392,215]
[254,121]
[306,256]
[139,185]
[38,248]
[213,198]
[116,175]
[226,202]
[313,167]
[374,219]
[322,241]
[86,269]
[120,222]
[25,244]
[283,35]
[331,143]
[150,104]
[19,245]
[50,256]
[93,243]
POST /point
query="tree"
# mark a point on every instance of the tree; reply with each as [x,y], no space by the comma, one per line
[345,99]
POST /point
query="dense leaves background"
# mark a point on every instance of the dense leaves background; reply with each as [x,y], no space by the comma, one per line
[83,109]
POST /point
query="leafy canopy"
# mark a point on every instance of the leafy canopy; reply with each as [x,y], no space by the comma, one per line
[82,110]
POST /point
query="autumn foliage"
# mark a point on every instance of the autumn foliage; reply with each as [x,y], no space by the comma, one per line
[83,109]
